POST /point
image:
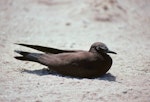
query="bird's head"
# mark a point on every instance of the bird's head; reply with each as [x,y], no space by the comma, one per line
[100,48]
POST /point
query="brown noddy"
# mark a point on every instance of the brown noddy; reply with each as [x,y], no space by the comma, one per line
[77,63]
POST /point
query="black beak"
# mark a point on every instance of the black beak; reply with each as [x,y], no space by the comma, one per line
[111,52]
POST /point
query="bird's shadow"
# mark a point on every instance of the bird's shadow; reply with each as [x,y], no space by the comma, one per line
[45,71]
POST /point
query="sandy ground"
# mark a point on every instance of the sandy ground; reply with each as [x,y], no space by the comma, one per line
[124,25]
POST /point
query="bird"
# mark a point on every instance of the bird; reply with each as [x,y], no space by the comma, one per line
[75,63]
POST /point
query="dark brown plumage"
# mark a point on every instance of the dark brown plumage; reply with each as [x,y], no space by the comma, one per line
[76,63]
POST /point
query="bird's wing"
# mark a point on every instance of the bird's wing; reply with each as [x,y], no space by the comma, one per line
[55,60]
[46,49]
[64,59]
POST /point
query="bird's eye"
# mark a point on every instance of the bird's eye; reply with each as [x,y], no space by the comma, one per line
[98,48]
[101,48]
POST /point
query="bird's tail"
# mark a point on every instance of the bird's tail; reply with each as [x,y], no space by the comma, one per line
[27,56]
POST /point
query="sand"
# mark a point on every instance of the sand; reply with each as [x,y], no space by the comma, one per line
[123,25]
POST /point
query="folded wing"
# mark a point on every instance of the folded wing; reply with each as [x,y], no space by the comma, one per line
[46,49]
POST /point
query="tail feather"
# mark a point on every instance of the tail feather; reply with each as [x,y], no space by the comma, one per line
[21,58]
[22,52]
[27,56]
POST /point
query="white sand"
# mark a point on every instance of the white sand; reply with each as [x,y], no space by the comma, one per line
[124,25]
